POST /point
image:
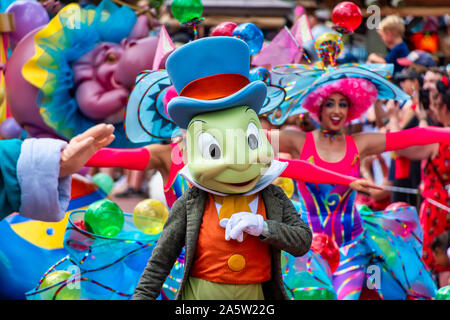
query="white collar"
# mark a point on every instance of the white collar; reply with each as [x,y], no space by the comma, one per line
[273,172]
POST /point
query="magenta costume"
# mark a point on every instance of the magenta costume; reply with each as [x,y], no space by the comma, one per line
[378,250]
[330,207]
[387,242]
[176,184]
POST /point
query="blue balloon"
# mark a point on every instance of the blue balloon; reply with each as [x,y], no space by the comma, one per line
[260,73]
[251,34]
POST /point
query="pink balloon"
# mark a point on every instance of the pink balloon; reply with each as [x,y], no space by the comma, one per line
[28,15]
[397,205]
[224,29]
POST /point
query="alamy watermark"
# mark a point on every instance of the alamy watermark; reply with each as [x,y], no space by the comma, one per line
[373,281]
[74,280]
[229,146]
[73,17]
[374,18]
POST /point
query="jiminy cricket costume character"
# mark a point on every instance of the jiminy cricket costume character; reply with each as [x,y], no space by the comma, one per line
[233,221]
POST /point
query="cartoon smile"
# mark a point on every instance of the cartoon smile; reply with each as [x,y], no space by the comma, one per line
[241,184]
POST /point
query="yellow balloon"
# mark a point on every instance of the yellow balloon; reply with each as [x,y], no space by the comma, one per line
[286,184]
[328,47]
[71,291]
[150,215]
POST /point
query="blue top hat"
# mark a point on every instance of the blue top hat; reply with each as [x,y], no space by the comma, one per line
[211,74]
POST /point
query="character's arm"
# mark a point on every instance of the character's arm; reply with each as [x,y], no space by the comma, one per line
[30,179]
[419,152]
[45,194]
[416,137]
[423,151]
[133,159]
[164,255]
[303,170]
[83,146]
[292,234]
[375,143]
[167,159]
[36,173]
[297,169]
[286,141]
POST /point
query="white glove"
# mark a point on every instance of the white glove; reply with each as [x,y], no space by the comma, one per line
[241,222]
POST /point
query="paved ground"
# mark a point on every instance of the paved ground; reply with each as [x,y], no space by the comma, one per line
[127,204]
[154,189]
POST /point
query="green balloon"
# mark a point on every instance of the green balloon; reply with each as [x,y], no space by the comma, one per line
[443,293]
[104,182]
[104,218]
[186,10]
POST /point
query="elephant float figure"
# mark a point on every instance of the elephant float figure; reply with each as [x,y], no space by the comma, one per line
[78,70]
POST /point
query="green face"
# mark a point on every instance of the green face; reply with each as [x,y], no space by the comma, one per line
[227,150]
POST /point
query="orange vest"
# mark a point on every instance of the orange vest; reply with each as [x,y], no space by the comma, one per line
[219,260]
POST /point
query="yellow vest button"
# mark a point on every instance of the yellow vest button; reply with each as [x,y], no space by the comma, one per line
[236,262]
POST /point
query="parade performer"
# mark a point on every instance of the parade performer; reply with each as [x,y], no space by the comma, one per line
[390,239]
[27,166]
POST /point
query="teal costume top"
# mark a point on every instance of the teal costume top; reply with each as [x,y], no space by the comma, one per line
[9,184]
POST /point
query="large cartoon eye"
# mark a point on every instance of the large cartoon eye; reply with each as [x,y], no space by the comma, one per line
[111,58]
[253,136]
[209,147]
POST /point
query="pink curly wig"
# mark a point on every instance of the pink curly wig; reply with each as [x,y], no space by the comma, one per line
[360,92]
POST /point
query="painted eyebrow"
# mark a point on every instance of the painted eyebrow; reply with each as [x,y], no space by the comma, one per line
[248,108]
[337,100]
[195,121]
